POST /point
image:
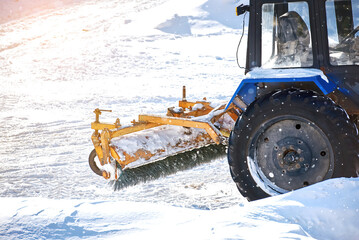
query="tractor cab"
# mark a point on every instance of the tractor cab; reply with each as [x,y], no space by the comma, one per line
[321,34]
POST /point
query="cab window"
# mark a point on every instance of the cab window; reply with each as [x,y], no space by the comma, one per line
[286,39]
[343,35]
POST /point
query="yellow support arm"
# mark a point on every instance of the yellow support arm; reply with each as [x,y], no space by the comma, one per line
[182,122]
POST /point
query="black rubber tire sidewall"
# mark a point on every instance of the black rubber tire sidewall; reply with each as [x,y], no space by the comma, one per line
[93,164]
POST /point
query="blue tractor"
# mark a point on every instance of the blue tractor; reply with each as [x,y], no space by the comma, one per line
[300,100]
[294,115]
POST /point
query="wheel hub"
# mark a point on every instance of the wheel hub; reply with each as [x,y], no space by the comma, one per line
[291,153]
[290,157]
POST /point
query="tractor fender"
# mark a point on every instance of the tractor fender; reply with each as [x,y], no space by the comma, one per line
[247,89]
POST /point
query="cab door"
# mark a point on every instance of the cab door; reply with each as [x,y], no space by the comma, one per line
[340,48]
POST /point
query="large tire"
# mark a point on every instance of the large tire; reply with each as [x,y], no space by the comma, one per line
[291,139]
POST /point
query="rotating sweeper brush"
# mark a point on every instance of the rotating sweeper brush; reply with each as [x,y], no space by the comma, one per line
[155,146]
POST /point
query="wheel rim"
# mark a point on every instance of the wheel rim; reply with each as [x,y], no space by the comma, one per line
[288,153]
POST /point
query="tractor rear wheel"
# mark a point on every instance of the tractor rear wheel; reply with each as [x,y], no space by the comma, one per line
[288,140]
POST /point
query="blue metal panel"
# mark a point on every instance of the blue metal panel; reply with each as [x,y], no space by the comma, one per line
[339,83]
[247,89]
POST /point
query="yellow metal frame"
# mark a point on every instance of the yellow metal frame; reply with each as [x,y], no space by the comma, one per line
[101,140]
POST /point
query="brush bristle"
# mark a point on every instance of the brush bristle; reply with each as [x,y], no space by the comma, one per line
[169,165]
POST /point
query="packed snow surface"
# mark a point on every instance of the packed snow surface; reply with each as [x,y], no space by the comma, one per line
[328,210]
[58,63]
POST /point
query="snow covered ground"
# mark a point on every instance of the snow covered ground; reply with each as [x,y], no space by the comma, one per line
[132,57]
[328,210]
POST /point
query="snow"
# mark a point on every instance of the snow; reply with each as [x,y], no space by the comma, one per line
[164,141]
[14,9]
[286,73]
[59,63]
[312,213]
